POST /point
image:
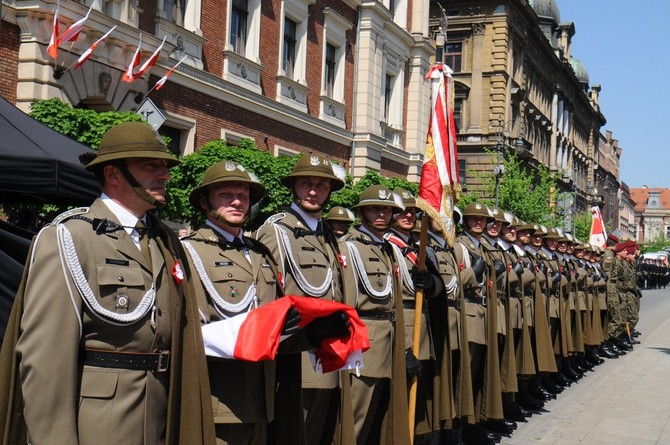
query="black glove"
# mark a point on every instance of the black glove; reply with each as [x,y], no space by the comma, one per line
[556,278]
[576,275]
[291,322]
[518,268]
[333,325]
[412,365]
[566,273]
[542,267]
[479,267]
[498,267]
[424,280]
[596,277]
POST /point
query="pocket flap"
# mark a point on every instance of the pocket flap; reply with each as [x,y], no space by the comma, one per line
[98,383]
[110,275]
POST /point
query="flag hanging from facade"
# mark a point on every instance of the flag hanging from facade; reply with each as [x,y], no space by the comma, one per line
[440,187]
[255,335]
[151,61]
[598,235]
[162,80]
[129,75]
[71,34]
[86,54]
[52,49]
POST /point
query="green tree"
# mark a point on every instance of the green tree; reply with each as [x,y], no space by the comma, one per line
[83,125]
[656,244]
[528,192]
[583,225]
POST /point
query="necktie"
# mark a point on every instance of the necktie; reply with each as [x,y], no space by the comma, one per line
[144,240]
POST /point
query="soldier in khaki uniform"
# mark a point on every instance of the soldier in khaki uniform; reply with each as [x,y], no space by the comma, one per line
[432,336]
[235,274]
[478,280]
[457,338]
[103,354]
[373,285]
[308,259]
[530,237]
[339,219]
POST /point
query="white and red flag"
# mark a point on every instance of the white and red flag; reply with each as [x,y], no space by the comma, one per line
[255,335]
[162,80]
[52,49]
[151,61]
[71,34]
[440,184]
[598,235]
[86,54]
[129,75]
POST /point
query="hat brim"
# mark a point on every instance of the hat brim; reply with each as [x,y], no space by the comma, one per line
[146,154]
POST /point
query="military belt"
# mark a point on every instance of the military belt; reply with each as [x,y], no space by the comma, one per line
[369,315]
[158,361]
[453,303]
[476,300]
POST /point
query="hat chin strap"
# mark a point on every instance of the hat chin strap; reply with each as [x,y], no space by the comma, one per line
[319,210]
[218,217]
[141,191]
[369,223]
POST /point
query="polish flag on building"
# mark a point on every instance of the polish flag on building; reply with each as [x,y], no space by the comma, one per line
[73,31]
[162,80]
[439,187]
[129,75]
[86,54]
[255,335]
[598,235]
[52,49]
[152,60]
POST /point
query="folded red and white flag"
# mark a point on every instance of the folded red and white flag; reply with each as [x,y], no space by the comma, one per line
[86,54]
[255,335]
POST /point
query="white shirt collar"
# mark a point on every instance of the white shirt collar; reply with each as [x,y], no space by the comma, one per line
[473,239]
[441,241]
[365,230]
[312,222]
[127,219]
[228,236]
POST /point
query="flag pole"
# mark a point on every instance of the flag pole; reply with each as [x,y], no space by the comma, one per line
[416,334]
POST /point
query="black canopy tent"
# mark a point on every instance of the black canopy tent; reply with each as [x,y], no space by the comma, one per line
[37,166]
[40,165]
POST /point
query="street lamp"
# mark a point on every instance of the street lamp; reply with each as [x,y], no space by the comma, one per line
[519,149]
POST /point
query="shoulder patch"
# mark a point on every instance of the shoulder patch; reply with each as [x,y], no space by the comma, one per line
[69,214]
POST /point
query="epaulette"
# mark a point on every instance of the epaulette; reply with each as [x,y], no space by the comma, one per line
[274,218]
[70,214]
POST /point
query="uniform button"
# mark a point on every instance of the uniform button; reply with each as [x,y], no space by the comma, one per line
[230,275]
[120,279]
[313,260]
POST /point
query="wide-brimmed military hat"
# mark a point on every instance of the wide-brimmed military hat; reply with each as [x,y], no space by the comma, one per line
[228,171]
[129,140]
[408,199]
[527,226]
[378,195]
[314,165]
[339,213]
[477,209]
[498,215]
[552,233]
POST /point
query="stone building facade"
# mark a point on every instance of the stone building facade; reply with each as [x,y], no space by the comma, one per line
[344,78]
[519,89]
[652,214]
[339,77]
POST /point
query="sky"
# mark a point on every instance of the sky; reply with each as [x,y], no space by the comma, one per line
[624,47]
